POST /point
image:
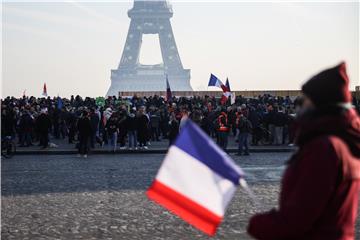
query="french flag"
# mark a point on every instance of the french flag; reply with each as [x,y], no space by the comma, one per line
[196,180]
[216,82]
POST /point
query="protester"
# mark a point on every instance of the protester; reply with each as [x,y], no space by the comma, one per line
[271,118]
[320,188]
[43,125]
[223,129]
[143,127]
[26,125]
[279,121]
[131,123]
[174,129]
[245,127]
[94,120]
[112,126]
[85,133]
[154,116]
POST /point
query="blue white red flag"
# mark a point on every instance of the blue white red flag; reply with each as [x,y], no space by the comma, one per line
[196,180]
[216,82]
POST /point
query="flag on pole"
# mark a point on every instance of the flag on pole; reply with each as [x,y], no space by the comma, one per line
[216,82]
[44,93]
[196,180]
[168,90]
[227,84]
[24,93]
[230,94]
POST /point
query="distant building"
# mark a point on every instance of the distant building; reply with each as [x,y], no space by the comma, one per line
[149,17]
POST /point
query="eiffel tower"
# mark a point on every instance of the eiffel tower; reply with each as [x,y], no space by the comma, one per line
[149,17]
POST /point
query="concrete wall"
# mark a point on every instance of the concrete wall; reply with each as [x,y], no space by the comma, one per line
[291,93]
[248,94]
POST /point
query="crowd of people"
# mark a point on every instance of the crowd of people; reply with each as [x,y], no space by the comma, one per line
[134,123]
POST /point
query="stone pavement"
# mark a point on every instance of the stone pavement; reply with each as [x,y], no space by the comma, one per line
[63,147]
[102,197]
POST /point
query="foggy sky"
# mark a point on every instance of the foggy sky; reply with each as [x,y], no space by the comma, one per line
[259,46]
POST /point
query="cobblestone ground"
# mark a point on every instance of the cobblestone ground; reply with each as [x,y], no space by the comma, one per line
[102,197]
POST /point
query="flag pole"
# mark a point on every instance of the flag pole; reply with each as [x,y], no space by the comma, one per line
[245,186]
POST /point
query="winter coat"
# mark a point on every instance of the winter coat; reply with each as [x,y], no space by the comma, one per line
[94,119]
[43,123]
[244,125]
[280,119]
[26,123]
[142,124]
[131,122]
[154,119]
[173,130]
[84,127]
[320,188]
[112,125]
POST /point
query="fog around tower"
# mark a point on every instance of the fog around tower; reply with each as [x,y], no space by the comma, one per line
[72,46]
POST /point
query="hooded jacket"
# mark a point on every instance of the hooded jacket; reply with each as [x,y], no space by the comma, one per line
[321,185]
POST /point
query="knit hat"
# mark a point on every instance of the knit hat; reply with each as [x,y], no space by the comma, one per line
[329,87]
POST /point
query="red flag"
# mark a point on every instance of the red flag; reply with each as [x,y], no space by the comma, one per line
[44,90]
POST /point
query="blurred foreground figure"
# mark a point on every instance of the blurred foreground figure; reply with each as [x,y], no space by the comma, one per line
[321,185]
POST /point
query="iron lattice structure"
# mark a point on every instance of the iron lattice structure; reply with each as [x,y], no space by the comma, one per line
[149,17]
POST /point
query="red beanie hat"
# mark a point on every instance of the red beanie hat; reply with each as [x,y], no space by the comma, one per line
[329,87]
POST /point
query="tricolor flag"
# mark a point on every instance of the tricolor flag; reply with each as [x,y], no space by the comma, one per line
[168,90]
[196,180]
[216,82]
[44,93]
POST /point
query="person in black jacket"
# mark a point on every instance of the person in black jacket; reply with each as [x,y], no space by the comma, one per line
[173,128]
[112,127]
[254,118]
[280,120]
[131,126]
[223,129]
[143,127]
[94,120]
[245,127]
[71,121]
[43,124]
[84,128]
[26,128]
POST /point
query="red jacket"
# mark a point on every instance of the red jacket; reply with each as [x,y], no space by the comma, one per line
[321,185]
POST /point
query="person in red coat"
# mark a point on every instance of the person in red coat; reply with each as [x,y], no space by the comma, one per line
[320,188]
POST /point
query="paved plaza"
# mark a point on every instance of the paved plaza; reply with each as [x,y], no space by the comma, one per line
[102,197]
[61,146]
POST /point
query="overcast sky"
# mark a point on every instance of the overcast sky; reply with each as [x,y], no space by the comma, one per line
[72,46]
